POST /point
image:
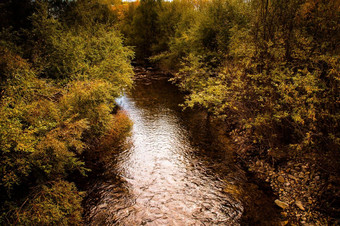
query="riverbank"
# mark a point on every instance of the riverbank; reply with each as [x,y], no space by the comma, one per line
[305,194]
[305,187]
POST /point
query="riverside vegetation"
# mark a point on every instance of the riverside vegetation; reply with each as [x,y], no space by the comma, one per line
[62,65]
[267,69]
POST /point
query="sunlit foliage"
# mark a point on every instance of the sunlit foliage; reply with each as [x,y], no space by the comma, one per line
[281,90]
[268,68]
[54,203]
[59,82]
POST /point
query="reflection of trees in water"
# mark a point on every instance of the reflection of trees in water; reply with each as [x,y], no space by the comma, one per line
[151,93]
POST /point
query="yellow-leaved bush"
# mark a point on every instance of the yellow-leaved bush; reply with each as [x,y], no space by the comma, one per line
[57,102]
[54,203]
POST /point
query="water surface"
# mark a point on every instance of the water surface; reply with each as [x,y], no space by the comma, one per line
[172,173]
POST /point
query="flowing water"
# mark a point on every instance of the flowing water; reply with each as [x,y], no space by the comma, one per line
[172,173]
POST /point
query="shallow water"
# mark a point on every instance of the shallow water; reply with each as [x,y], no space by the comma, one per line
[172,173]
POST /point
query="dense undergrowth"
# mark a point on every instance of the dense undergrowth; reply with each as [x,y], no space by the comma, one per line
[270,70]
[62,65]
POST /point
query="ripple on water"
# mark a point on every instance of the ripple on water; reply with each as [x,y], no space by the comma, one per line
[162,180]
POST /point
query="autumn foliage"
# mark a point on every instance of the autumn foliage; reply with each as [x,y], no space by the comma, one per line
[269,69]
[59,81]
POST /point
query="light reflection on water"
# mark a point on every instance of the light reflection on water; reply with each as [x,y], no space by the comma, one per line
[162,178]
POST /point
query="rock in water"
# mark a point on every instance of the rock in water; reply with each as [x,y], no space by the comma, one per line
[281,204]
[281,179]
[299,204]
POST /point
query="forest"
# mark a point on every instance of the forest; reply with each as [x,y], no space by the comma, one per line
[269,70]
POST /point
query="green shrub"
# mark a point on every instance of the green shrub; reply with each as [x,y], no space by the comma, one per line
[55,203]
[58,84]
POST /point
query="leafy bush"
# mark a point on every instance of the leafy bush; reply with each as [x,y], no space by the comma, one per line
[55,203]
[91,100]
[276,89]
[58,87]
[35,135]
[120,127]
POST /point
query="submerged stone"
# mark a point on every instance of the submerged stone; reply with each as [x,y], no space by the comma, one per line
[299,204]
[281,204]
[281,179]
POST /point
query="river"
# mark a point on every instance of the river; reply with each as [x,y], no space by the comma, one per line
[172,171]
